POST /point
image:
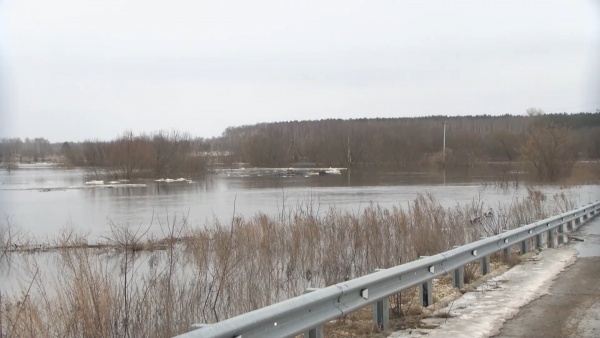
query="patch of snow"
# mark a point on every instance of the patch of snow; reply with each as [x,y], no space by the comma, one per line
[483,312]
[94,182]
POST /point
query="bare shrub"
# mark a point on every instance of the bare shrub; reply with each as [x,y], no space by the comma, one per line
[550,150]
[472,271]
[11,236]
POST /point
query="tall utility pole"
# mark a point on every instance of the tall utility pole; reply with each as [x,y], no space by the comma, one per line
[349,153]
[444,148]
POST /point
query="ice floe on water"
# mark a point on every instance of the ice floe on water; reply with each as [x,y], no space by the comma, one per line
[110,184]
[280,172]
[94,185]
[171,180]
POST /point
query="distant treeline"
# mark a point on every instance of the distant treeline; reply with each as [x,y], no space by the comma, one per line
[403,141]
[159,154]
[542,139]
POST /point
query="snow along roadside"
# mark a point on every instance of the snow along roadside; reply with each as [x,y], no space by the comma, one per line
[483,312]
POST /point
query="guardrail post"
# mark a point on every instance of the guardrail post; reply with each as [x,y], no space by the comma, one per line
[316,332]
[426,291]
[524,246]
[562,236]
[551,239]
[381,312]
[539,241]
[506,251]
[458,276]
[485,265]
[570,225]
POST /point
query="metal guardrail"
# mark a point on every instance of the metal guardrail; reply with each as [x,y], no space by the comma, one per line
[307,313]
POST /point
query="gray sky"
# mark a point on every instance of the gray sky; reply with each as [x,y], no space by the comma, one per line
[86,69]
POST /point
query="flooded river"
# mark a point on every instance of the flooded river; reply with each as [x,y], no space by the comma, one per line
[42,199]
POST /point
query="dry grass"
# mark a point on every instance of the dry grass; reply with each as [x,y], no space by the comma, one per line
[206,274]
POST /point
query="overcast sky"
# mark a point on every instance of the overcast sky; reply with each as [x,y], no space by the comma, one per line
[87,69]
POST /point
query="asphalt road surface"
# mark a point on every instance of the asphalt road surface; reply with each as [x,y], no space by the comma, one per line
[572,307]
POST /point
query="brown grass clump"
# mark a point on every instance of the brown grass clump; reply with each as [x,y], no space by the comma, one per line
[472,271]
[356,324]
[513,259]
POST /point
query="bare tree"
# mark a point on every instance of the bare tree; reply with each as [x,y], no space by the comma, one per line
[94,157]
[170,151]
[534,112]
[127,155]
[550,150]
[11,149]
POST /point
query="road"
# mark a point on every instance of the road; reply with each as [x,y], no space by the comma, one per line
[555,293]
[572,307]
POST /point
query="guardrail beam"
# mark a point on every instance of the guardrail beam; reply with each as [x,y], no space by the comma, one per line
[196,326]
